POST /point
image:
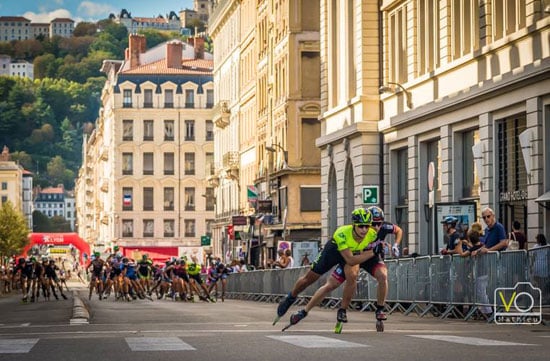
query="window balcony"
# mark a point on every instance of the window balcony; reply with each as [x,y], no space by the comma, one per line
[221,114]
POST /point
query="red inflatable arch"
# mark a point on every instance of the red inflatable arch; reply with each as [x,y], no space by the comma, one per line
[59,239]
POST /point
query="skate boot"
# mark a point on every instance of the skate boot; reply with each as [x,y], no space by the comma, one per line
[380,317]
[63,295]
[341,318]
[295,318]
[283,307]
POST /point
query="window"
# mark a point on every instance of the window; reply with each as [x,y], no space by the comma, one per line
[127,163]
[148,228]
[148,164]
[148,199]
[148,130]
[127,228]
[189,228]
[508,17]
[310,199]
[428,29]
[470,180]
[4,199]
[168,130]
[4,186]
[189,163]
[209,130]
[127,198]
[148,98]
[465,22]
[189,198]
[397,38]
[127,98]
[210,167]
[189,98]
[169,199]
[168,228]
[189,130]
[208,225]
[209,98]
[168,98]
[210,199]
[168,163]
[127,130]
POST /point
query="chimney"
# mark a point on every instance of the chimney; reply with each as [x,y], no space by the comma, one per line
[174,51]
[199,47]
[136,47]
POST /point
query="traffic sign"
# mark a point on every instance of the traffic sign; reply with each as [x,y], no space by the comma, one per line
[370,195]
[205,240]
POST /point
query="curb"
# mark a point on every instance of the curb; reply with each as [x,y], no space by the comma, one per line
[81,315]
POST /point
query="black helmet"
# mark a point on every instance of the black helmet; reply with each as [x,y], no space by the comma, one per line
[450,220]
[377,213]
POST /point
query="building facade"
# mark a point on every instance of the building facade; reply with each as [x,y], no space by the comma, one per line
[63,27]
[56,202]
[266,70]
[134,24]
[22,69]
[16,186]
[142,183]
[442,106]
[15,28]
[480,94]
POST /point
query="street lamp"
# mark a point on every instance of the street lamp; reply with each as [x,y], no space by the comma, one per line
[387,89]
[273,150]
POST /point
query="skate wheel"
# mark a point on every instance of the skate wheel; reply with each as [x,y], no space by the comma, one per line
[338,328]
[379,326]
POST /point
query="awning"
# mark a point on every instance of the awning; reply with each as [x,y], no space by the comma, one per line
[156,254]
[543,200]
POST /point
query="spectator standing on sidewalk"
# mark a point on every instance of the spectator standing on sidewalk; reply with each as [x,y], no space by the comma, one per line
[518,236]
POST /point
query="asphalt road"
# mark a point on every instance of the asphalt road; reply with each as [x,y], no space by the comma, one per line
[242,330]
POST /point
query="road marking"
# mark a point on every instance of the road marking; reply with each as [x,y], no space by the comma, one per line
[472,341]
[25,324]
[310,341]
[157,344]
[17,345]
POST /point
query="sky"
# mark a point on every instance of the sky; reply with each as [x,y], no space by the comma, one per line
[80,10]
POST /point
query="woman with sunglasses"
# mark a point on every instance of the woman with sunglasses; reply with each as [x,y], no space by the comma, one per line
[345,247]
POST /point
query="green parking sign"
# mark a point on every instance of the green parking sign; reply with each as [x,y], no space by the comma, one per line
[205,240]
[370,195]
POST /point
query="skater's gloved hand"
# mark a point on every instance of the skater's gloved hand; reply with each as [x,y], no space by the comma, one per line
[395,250]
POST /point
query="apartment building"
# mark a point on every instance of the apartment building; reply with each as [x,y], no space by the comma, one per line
[56,202]
[16,186]
[134,24]
[22,69]
[266,73]
[63,27]
[142,183]
[464,115]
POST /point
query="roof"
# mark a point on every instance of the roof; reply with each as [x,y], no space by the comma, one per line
[62,20]
[52,190]
[189,67]
[13,18]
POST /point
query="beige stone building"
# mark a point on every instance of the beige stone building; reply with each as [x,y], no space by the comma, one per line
[442,105]
[16,186]
[266,72]
[142,183]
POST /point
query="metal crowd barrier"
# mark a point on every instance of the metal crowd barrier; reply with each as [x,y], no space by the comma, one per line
[443,286]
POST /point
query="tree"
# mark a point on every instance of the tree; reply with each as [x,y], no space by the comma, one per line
[56,170]
[41,222]
[14,233]
[84,28]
